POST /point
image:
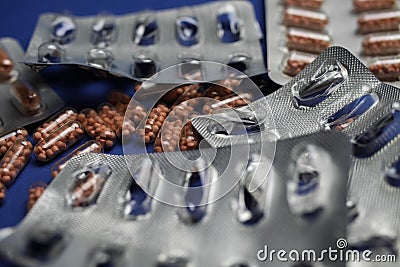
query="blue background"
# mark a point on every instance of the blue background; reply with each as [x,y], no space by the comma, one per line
[78,88]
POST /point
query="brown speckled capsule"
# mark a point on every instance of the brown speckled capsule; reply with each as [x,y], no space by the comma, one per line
[386,69]
[310,4]
[59,141]
[381,44]
[189,137]
[6,66]
[149,128]
[307,41]
[96,128]
[217,91]
[379,21]
[296,61]
[36,190]
[54,123]
[128,107]
[3,192]
[91,146]
[168,138]
[172,95]
[370,5]
[230,101]
[114,120]
[14,161]
[192,91]
[26,99]
[8,139]
[304,18]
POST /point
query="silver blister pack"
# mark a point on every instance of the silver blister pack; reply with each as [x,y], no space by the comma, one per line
[250,198]
[139,45]
[364,109]
[297,34]
[25,97]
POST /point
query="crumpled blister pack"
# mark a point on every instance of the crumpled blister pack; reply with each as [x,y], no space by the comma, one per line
[337,92]
[139,45]
[25,97]
[95,214]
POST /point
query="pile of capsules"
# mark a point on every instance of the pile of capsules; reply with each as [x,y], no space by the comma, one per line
[309,34]
[167,124]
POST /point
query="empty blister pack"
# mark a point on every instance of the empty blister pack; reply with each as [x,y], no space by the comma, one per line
[368,28]
[141,210]
[331,93]
[26,98]
[353,102]
[139,45]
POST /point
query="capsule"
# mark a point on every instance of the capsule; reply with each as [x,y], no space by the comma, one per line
[8,139]
[104,30]
[183,110]
[91,146]
[349,113]
[377,136]
[114,120]
[189,137]
[172,95]
[27,100]
[59,141]
[55,122]
[228,25]
[64,29]
[192,92]
[381,44]
[326,80]
[379,21]
[310,4]
[3,192]
[217,91]
[230,101]
[135,112]
[304,18]
[36,190]
[120,101]
[187,30]
[386,69]
[88,184]
[149,128]
[6,66]
[307,41]
[294,62]
[371,5]
[14,161]
[146,30]
[96,128]
[168,138]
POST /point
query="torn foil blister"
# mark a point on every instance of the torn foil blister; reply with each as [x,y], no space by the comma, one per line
[94,213]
